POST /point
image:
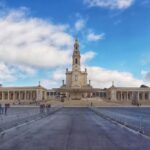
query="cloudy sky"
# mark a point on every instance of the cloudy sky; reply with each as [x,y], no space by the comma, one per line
[36,41]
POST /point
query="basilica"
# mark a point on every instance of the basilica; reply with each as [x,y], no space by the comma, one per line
[76,86]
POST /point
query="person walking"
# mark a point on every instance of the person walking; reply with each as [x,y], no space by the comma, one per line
[2,108]
[44,108]
[41,108]
[5,108]
[48,108]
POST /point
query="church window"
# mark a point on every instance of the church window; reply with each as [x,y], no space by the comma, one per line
[76,61]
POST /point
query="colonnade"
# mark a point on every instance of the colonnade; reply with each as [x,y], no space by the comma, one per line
[100,94]
[18,95]
[132,95]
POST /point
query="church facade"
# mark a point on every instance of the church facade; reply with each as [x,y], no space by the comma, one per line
[75,87]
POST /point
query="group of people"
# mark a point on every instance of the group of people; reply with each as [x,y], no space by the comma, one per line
[45,108]
[4,108]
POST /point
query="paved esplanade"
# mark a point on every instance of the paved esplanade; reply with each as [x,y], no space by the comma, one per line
[72,129]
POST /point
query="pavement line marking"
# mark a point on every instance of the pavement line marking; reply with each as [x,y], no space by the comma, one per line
[29,122]
[120,124]
[20,125]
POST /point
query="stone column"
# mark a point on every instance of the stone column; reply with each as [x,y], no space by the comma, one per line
[121,96]
[19,94]
[13,96]
[138,96]
[149,95]
[25,95]
[143,95]
[31,95]
[124,95]
[134,95]
[128,96]
[10,95]
[37,96]
[22,95]
[28,95]
[7,95]
[45,95]
[117,95]
[113,95]
[2,95]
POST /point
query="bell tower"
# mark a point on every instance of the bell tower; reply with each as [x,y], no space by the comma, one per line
[76,57]
[76,73]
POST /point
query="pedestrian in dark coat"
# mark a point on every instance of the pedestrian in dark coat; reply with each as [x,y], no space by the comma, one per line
[2,109]
[5,108]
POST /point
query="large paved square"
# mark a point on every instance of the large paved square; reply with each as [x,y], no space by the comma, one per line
[77,129]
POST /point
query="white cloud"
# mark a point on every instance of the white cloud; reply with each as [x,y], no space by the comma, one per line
[10,73]
[32,41]
[6,73]
[112,4]
[50,83]
[23,71]
[79,24]
[58,74]
[87,56]
[55,78]
[102,77]
[95,37]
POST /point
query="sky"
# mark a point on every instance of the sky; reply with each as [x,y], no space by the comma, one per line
[37,36]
